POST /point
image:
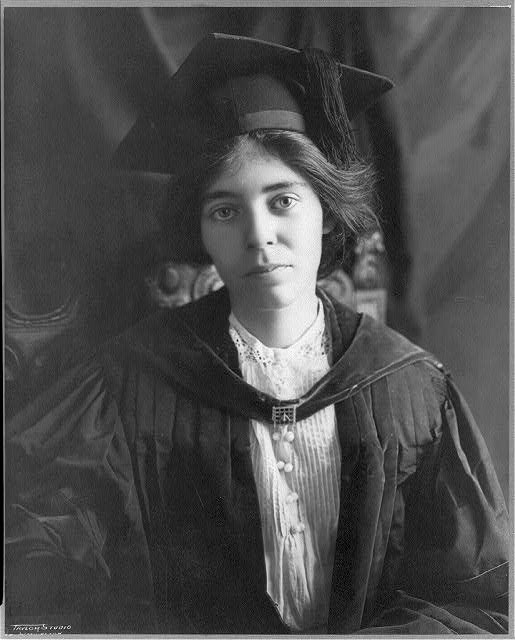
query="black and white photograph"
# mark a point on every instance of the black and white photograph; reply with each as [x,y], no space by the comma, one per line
[257,319]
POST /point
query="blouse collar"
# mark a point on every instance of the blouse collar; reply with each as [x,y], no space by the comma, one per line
[314,342]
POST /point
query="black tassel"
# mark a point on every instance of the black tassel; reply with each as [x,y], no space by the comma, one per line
[326,117]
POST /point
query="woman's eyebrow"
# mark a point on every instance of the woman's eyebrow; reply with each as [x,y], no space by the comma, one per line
[215,195]
[276,186]
[283,185]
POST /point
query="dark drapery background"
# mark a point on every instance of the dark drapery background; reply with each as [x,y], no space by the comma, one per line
[76,77]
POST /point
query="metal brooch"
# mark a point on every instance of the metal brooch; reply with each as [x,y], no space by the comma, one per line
[284,415]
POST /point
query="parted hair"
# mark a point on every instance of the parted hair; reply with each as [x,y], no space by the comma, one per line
[347,194]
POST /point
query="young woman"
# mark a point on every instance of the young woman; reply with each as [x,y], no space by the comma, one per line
[263,460]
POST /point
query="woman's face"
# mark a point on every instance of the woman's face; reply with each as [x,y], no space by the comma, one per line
[262,225]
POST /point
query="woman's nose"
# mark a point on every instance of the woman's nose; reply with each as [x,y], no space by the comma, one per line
[260,228]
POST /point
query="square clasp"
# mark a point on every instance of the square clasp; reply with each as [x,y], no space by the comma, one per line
[284,415]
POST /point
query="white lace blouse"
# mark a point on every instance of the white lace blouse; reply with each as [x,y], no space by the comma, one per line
[297,474]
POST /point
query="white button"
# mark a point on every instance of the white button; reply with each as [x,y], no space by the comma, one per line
[276,435]
[290,436]
[280,465]
[288,467]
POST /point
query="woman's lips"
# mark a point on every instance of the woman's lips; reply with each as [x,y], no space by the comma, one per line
[266,269]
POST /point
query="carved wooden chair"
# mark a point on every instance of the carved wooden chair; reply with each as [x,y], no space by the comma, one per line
[41,341]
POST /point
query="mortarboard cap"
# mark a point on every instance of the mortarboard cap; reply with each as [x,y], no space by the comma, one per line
[230,85]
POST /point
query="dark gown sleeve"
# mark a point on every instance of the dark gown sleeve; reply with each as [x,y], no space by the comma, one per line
[74,545]
[453,576]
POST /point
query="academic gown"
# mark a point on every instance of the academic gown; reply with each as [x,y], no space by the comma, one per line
[131,502]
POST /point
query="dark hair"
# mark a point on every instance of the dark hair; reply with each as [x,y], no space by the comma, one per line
[347,194]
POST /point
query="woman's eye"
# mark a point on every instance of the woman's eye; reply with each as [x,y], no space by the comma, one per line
[223,214]
[284,202]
